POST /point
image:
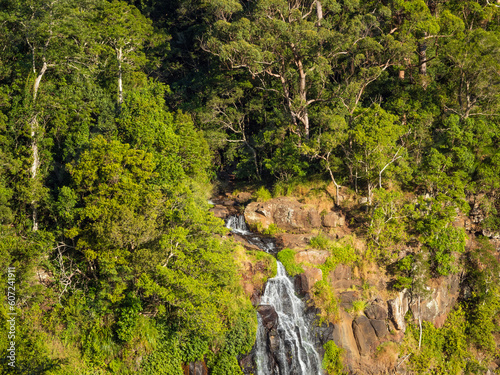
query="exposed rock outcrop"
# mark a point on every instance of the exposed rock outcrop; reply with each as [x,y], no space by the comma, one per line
[285,213]
[304,282]
[365,335]
[312,256]
[196,368]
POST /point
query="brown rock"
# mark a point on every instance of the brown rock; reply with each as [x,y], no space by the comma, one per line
[284,212]
[243,197]
[343,337]
[341,272]
[291,241]
[305,281]
[380,328]
[220,211]
[376,312]
[269,316]
[312,256]
[347,298]
[314,218]
[333,219]
[365,335]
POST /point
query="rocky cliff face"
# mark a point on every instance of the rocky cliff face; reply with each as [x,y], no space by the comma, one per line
[371,336]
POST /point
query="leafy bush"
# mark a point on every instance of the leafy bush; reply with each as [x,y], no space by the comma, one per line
[332,361]
[324,299]
[287,257]
[271,230]
[262,195]
[358,307]
[320,242]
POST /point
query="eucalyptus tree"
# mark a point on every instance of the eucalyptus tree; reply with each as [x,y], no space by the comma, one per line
[125,31]
[52,33]
[307,52]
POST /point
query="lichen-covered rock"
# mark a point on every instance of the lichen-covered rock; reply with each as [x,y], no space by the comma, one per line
[397,309]
[364,333]
[333,220]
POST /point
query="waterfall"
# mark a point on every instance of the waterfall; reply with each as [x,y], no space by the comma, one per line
[296,354]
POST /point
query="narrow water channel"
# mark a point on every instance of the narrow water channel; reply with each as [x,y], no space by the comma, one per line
[295,353]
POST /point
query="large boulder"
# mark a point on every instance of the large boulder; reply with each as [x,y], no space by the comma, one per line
[364,333]
[220,211]
[377,312]
[292,241]
[312,256]
[436,308]
[380,327]
[398,307]
[286,213]
[333,220]
[305,281]
[343,337]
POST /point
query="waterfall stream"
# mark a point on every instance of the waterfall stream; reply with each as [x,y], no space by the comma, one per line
[296,354]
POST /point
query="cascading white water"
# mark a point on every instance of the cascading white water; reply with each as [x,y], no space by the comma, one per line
[296,354]
[237,225]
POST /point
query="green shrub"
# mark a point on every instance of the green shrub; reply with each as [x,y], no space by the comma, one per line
[262,195]
[271,230]
[332,361]
[320,242]
[287,257]
[358,307]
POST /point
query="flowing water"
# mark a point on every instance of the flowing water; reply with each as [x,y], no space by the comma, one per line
[296,354]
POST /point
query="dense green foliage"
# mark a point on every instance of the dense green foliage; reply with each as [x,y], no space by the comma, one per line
[115,116]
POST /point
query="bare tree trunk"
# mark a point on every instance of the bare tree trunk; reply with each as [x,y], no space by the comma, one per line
[337,186]
[422,57]
[119,57]
[319,12]
[34,142]
[419,324]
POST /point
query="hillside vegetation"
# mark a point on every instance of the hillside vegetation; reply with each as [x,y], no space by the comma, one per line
[117,118]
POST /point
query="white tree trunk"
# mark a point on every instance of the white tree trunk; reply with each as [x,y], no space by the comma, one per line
[119,57]
[34,142]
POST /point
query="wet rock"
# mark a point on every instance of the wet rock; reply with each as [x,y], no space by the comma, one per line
[269,316]
[364,333]
[377,312]
[333,219]
[312,256]
[398,307]
[380,328]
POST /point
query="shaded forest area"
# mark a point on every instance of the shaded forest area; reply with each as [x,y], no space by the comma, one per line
[116,116]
